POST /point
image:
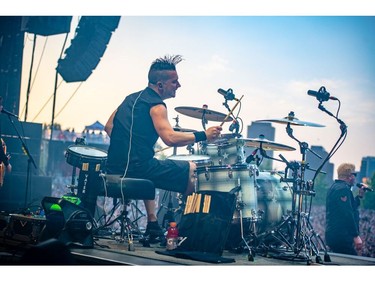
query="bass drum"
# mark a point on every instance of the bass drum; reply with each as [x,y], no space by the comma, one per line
[274,200]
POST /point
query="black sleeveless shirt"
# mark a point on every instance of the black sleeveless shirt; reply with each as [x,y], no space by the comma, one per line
[133,133]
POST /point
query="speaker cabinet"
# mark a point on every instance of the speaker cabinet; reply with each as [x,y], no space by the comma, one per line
[13,192]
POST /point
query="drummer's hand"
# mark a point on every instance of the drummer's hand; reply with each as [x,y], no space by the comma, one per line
[213,133]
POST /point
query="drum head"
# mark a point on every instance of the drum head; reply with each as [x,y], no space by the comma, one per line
[88,151]
[190,157]
[86,158]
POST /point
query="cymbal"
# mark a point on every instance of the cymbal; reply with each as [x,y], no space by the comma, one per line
[197,112]
[267,144]
[292,121]
[184,130]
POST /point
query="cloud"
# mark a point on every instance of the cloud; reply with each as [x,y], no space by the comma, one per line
[216,65]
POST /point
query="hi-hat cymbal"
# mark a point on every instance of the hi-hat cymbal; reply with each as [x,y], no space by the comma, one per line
[267,144]
[208,114]
[184,130]
[291,121]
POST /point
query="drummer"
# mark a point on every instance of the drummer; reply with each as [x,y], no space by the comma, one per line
[135,126]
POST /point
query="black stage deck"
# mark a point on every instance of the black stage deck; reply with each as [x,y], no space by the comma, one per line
[116,252]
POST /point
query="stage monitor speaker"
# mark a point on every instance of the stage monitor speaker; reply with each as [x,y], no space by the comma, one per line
[13,192]
[46,25]
[67,222]
[87,47]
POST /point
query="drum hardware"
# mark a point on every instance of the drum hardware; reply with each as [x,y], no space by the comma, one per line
[240,205]
[128,226]
[295,236]
[169,216]
[235,123]
[190,148]
[231,112]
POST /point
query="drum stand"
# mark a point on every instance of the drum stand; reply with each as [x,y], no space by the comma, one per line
[127,227]
[252,237]
[296,236]
[169,216]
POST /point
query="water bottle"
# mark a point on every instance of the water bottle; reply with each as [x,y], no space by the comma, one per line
[172,236]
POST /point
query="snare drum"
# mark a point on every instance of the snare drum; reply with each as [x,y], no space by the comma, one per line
[226,178]
[274,200]
[86,158]
[229,152]
[199,160]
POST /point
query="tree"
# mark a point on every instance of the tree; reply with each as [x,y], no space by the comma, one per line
[369,200]
[321,188]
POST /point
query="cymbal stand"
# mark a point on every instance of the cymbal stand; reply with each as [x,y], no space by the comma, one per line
[299,231]
[169,215]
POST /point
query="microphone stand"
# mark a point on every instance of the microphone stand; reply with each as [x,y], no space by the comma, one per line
[30,160]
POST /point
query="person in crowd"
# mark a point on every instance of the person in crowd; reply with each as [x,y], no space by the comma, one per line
[135,126]
[342,215]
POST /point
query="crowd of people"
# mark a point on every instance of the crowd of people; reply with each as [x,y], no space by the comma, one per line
[366,228]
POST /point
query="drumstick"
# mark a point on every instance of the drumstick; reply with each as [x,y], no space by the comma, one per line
[230,112]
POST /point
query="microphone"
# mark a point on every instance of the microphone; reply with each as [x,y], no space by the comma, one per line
[8,113]
[364,186]
[228,94]
[234,127]
[321,95]
[251,157]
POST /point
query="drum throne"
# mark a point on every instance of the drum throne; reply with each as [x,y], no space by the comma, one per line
[126,190]
[92,183]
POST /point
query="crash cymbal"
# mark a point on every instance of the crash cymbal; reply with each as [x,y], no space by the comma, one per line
[291,121]
[267,144]
[184,130]
[197,112]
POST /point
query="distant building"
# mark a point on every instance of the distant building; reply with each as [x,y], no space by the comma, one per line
[367,168]
[254,130]
[315,162]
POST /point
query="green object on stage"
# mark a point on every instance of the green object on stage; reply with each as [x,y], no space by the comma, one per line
[73,199]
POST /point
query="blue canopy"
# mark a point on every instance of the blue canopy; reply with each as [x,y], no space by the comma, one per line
[96,126]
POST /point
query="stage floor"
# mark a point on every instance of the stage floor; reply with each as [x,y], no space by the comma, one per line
[107,251]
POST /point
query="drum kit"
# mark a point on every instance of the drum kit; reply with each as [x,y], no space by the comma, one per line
[264,204]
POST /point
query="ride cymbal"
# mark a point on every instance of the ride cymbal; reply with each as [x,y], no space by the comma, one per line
[266,144]
[292,121]
[199,113]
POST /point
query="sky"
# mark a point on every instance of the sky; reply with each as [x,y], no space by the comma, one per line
[269,61]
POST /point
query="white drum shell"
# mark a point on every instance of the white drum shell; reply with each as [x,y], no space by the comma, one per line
[225,178]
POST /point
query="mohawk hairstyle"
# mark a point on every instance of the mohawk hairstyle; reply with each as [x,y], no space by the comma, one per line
[168,62]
